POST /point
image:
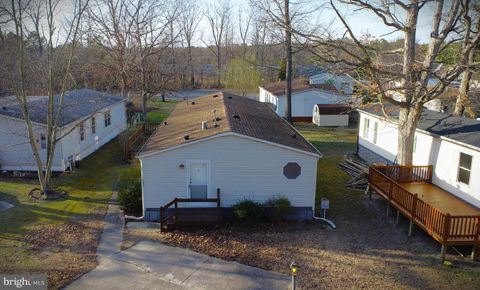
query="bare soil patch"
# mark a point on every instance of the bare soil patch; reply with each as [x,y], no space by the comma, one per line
[366,251]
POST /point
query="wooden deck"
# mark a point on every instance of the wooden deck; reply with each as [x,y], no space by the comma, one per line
[445,217]
[440,199]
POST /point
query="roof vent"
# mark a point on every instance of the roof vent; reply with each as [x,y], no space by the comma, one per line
[215,96]
[165,123]
[235,116]
[4,108]
[193,103]
[294,135]
[230,97]
[186,137]
[204,125]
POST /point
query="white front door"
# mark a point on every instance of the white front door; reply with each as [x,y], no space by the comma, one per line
[198,183]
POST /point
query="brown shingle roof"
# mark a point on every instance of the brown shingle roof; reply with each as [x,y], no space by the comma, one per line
[298,85]
[235,114]
[333,109]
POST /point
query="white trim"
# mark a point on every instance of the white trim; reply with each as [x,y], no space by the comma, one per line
[317,155]
[383,118]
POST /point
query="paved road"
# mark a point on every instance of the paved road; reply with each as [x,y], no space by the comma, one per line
[151,265]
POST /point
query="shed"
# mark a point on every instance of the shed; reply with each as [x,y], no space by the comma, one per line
[331,115]
[229,144]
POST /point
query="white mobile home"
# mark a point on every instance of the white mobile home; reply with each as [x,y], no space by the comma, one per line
[230,143]
[89,120]
[304,98]
[451,144]
[342,82]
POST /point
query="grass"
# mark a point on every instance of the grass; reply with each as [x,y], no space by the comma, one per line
[333,143]
[89,188]
[330,141]
[160,114]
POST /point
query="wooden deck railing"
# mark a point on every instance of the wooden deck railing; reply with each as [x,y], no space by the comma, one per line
[144,130]
[407,173]
[175,216]
[445,228]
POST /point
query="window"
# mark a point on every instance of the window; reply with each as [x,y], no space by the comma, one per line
[366,124]
[292,170]
[464,168]
[107,118]
[82,131]
[375,131]
[94,125]
[43,141]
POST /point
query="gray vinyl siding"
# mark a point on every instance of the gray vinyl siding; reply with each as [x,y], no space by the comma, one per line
[16,152]
[240,167]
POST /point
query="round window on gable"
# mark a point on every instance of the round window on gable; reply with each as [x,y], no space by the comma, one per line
[292,170]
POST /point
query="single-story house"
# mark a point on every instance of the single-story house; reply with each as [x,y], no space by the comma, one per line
[450,144]
[231,143]
[89,119]
[304,97]
[331,115]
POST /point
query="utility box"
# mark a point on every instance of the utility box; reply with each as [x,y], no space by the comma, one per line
[324,203]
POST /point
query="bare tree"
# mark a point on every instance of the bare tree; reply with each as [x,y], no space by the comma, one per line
[190,17]
[285,18]
[149,32]
[244,27]
[58,73]
[471,14]
[405,84]
[111,28]
[218,18]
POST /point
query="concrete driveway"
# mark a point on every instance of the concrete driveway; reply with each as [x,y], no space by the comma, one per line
[150,265]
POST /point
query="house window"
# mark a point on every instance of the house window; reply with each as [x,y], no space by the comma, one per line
[464,168]
[107,118]
[375,132]
[94,125]
[43,141]
[82,131]
[366,124]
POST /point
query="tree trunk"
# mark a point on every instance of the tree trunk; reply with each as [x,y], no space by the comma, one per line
[407,124]
[288,72]
[219,66]
[462,99]
[190,64]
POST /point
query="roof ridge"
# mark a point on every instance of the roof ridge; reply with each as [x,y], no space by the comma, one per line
[227,114]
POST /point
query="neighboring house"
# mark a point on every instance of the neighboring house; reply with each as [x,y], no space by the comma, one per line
[89,120]
[342,82]
[451,144]
[231,143]
[331,115]
[304,97]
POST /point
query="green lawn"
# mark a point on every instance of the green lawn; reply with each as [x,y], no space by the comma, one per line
[160,114]
[333,143]
[89,189]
